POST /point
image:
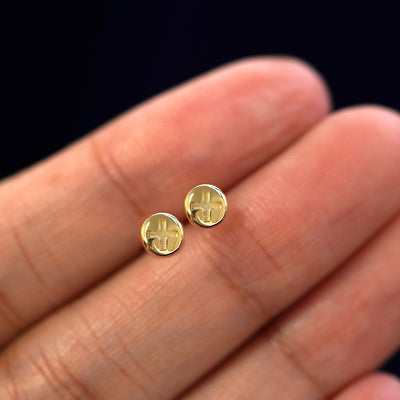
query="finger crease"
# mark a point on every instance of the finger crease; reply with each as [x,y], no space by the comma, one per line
[246,295]
[114,175]
[13,390]
[133,359]
[286,349]
[82,389]
[25,255]
[9,313]
[49,376]
[108,358]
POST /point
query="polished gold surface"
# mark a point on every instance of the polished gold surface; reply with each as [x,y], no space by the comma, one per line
[162,234]
[205,205]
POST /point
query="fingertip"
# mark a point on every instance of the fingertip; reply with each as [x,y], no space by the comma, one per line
[378,386]
[383,386]
[370,116]
[300,76]
[368,125]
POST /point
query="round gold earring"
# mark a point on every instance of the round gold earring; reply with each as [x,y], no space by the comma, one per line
[205,205]
[162,234]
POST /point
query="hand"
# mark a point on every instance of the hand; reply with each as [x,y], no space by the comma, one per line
[295,295]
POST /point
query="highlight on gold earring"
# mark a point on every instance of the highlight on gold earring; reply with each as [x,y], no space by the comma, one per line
[205,205]
[162,234]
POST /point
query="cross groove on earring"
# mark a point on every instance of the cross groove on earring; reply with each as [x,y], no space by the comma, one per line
[162,234]
[205,205]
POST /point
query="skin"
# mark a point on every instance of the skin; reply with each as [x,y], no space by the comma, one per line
[295,295]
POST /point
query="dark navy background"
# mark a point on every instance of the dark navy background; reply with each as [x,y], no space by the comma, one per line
[65,69]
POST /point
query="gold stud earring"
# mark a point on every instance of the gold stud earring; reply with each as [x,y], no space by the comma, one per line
[205,206]
[162,234]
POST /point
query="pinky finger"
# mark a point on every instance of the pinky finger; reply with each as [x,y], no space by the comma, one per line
[377,386]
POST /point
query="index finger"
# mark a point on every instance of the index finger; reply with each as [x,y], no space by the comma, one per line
[74,218]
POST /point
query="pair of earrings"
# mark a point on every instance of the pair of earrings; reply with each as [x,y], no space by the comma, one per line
[162,233]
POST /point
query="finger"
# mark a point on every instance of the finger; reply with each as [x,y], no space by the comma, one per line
[376,386]
[74,218]
[156,326]
[372,387]
[345,328]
